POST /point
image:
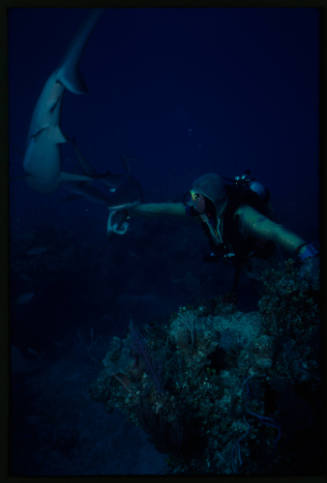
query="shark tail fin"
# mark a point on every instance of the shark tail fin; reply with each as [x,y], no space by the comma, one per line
[69,75]
[72,80]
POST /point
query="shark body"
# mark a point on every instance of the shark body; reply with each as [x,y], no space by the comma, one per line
[110,179]
[127,191]
[106,188]
[42,160]
[89,191]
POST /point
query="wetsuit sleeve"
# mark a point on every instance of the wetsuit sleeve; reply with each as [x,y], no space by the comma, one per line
[251,223]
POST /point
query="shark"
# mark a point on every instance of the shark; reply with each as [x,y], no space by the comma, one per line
[42,159]
[110,179]
[91,191]
[96,190]
[125,191]
[105,188]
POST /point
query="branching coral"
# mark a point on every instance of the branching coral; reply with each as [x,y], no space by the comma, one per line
[290,311]
[211,407]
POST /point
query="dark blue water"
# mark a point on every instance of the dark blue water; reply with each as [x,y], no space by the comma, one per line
[184,92]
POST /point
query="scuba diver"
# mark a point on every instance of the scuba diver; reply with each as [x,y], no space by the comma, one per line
[236,216]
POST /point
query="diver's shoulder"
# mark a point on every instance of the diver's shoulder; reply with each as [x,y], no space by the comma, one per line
[248,217]
[245,211]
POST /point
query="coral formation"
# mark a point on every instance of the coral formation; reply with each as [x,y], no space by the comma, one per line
[205,386]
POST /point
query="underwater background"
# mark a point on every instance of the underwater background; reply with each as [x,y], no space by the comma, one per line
[182,92]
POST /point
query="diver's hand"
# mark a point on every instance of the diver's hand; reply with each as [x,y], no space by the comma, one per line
[310,264]
[118,218]
[117,222]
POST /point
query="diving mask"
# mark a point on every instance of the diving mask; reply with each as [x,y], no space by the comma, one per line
[196,200]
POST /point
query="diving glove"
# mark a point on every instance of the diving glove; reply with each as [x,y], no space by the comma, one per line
[308,256]
[308,250]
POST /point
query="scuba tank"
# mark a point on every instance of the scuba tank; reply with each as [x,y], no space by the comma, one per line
[248,185]
[241,189]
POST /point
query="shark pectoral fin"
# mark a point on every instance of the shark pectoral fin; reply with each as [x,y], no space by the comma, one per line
[56,135]
[72,177]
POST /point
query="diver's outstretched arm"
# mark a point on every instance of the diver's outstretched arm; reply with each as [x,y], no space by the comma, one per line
[177,209]
[121,227]
[254,224]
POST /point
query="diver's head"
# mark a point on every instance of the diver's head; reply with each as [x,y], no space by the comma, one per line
[198,201]
[208,192]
